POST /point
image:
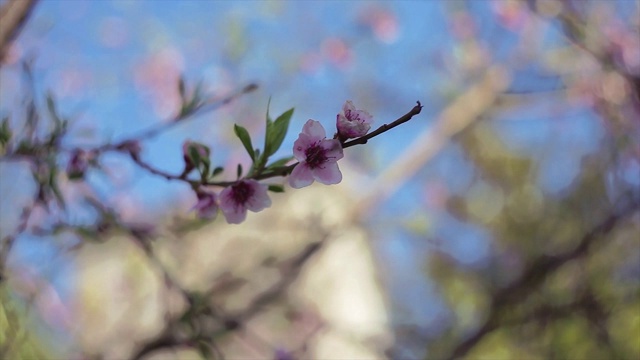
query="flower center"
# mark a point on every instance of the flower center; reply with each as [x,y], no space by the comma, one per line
[352,116]
[316,156]
[242,192]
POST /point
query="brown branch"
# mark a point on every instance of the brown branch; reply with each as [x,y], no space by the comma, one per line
[277,172]
[286,170]
[384,128]
[13,16]
[535,274]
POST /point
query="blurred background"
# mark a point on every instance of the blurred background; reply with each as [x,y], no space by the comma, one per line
[500,223]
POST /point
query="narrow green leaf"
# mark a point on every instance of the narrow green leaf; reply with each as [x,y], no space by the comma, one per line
[217,171]
[194,156]
[196,98]
[244,137]
[268,117]
[276,188]
[239,171]
[5,131]
[53,185]
[181,88]
[51,105]
[276,132]
[205,170]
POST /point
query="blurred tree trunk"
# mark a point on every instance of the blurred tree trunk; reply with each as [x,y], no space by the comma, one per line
[13,16]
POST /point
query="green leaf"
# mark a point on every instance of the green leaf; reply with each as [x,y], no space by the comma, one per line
[244,137]
[205,350]
[268,116]
[239,170]
[194,156]
[51,105]
[280,162]
[217,171]
[5,131]
[181,88]
[53,185]
[276,188]
[276,131]
[190,103]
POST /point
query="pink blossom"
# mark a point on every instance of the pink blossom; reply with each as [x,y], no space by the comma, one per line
[244,195]
[318,157]
[352,123]
[207,206]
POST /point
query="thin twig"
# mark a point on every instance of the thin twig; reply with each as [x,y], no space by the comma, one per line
[9,240]
[209,105]
[283,170]
[286,170]
[384,128]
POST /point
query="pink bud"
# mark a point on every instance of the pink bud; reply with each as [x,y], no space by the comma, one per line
[352,123]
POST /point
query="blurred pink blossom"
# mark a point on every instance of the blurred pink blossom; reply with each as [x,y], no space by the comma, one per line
[207,205]
[351,122]
[244,195]
[383,23]
[336,51]
[511,14]
[318,157]
[158,77]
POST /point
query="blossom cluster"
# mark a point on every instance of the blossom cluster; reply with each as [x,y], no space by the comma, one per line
[317,161]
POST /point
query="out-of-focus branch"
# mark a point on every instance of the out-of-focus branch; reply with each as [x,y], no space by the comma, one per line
[231,322]
[536,273]
[7,242]
[205,106]
[13,16]
[294,267]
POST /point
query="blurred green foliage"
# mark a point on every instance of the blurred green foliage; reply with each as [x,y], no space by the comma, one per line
[573,285]
[16,341]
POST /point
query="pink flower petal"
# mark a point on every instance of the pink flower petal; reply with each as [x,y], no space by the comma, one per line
[333,149]
[329,174]
[206,206]
[348,106]
[352,123]
[260,199]
[301,145]
[314,129]
[301,176]
[226,198]
[235,215]
[246,194]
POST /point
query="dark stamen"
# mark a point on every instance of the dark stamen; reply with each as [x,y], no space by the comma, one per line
[242,192]
[316,156]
